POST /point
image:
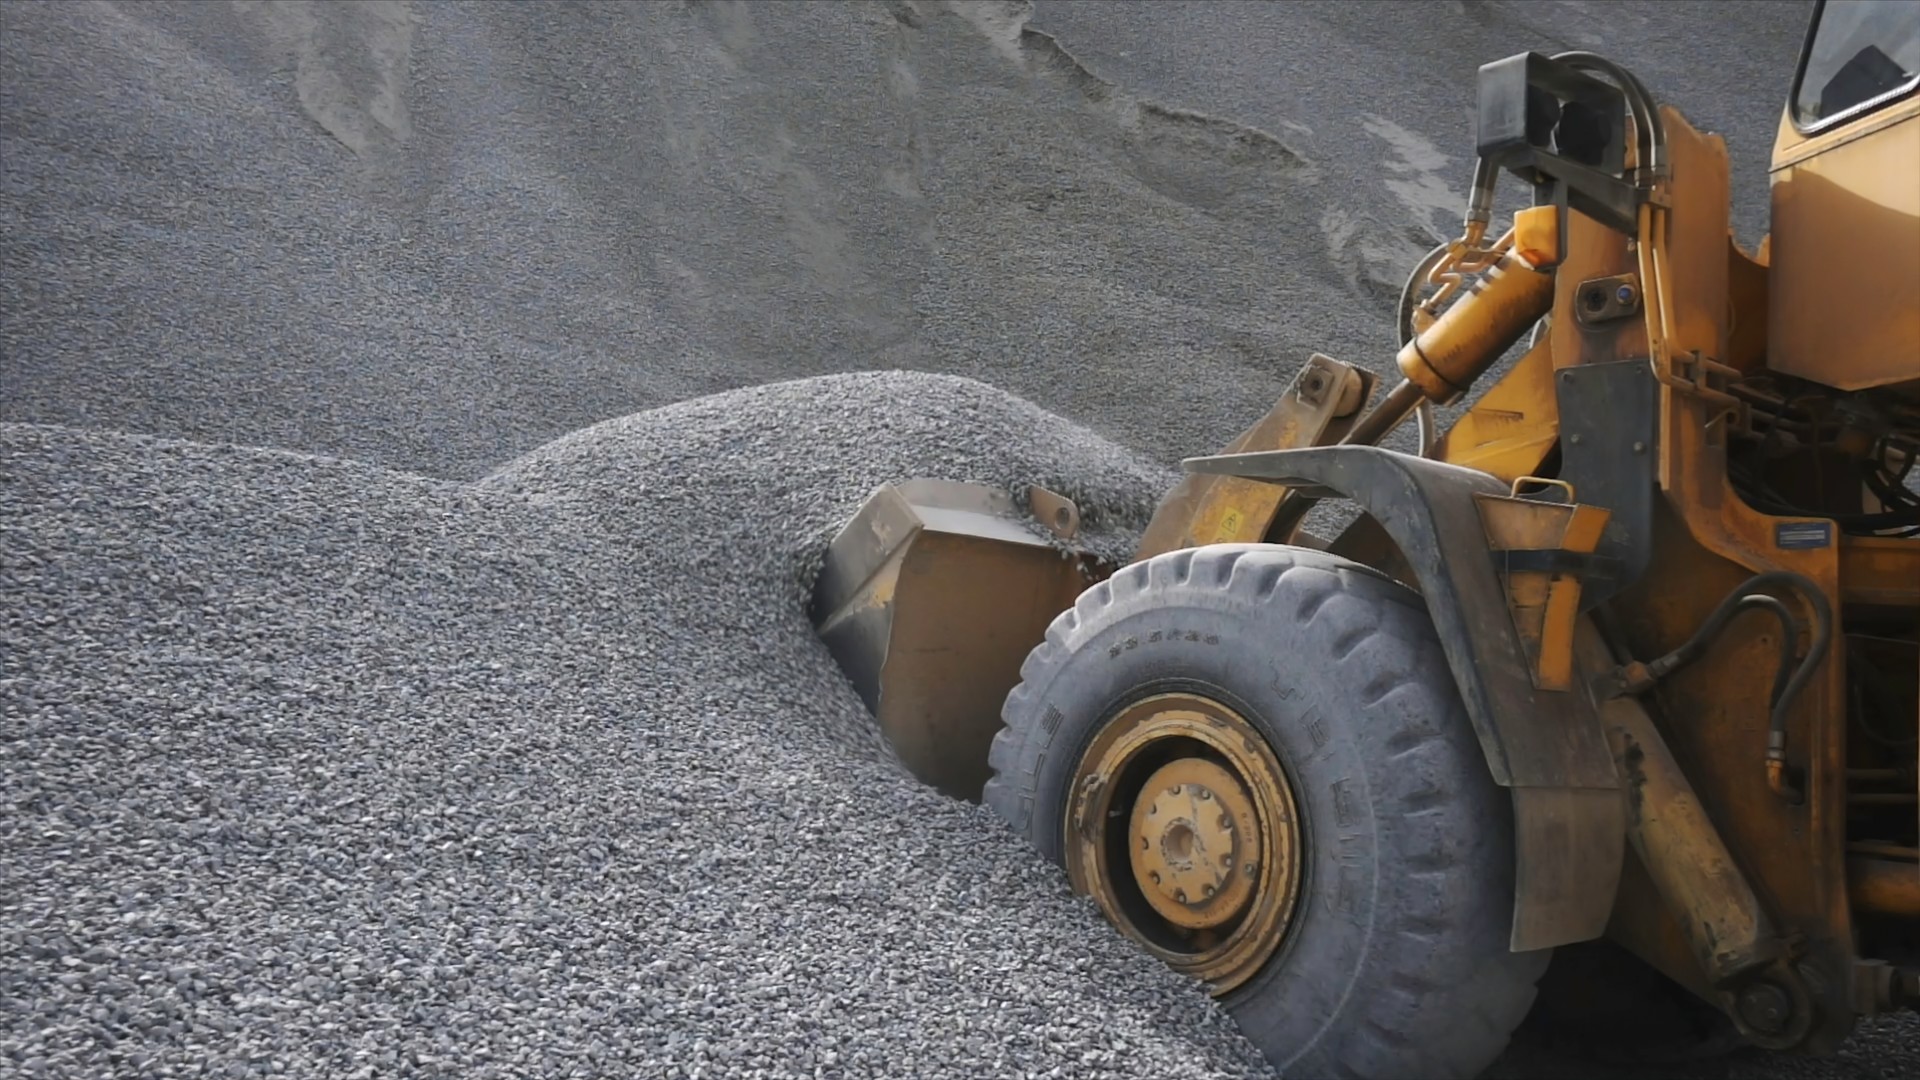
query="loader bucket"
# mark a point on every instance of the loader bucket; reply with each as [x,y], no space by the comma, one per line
[930,600]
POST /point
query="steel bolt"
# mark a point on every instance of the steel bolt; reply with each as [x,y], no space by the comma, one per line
[1765,1007]
[1206,795]
[1226,822]
[1639,447]
[1624,294]
[1208,892]
[1180,895]
[1155,875]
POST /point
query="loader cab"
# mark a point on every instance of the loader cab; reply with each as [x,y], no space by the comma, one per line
[1844,298]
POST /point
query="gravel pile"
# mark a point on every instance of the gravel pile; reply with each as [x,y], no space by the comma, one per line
[315,768]
[434,236]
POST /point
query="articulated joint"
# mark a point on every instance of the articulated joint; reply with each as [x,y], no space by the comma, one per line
[1745,959]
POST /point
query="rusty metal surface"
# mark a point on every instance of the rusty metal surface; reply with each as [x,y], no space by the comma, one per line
[1721,917]
[1318,408]
[1200,860]
[930,599]
[1716,711]
[1058,513]
[1185,826]
[1878,571]
[1885,886]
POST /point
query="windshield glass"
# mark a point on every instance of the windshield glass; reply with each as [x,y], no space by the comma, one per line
[1861,50]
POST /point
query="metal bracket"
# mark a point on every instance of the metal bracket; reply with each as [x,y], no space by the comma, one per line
[1609,430]
[1588,568]
[1551,124]
[1318,408]
[1604,299]
[1058,513]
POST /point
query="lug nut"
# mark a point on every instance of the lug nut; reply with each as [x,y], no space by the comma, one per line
[1155,875]
[1208,892]
[1180,895]
[1206,795]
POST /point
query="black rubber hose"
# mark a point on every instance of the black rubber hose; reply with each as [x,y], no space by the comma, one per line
[1480,199]
[1785,687]
[1652,133]
[1728,609]
[1403,321]
[1789,643]
[1889,492]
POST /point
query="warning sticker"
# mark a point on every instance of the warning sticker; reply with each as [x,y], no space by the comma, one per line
[1799,535]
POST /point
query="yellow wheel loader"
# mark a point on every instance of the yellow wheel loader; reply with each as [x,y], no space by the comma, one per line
[1624,665]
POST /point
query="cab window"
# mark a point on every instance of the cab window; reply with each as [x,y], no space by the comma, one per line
[1860,52]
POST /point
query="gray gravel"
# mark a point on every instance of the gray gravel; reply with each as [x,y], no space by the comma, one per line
[504,764]
[314,768]
[578,212]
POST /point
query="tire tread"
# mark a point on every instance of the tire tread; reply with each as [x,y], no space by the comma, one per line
[1488,989]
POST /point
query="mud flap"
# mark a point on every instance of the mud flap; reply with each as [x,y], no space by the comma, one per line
[930,600]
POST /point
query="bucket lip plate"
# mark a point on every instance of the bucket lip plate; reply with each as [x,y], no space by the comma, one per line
[893,517]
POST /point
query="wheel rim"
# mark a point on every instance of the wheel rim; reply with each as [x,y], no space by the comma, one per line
[1185,832]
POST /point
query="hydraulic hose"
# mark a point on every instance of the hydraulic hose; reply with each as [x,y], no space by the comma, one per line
[1788,680]
[1650,132]
[1403,323]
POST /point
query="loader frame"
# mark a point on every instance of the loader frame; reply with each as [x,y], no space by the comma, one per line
[1602,591]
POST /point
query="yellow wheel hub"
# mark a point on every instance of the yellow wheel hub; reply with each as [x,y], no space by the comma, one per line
[1184,830]
[1185,824]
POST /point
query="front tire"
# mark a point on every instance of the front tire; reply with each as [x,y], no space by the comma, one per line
[1184,684]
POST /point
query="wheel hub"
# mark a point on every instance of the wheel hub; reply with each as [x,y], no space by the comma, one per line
[1185,831]
[1187,844]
